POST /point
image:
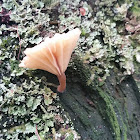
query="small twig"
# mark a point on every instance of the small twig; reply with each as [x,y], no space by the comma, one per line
[19,43]
[4,15]
[53,22]
[49,84]
[36,132]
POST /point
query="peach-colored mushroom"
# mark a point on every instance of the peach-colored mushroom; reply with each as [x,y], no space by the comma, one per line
[52,55]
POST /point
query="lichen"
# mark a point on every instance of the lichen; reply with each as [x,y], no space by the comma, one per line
[109,39]
[102,45]
[28,105]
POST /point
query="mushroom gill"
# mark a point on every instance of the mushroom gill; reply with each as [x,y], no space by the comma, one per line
[52,55]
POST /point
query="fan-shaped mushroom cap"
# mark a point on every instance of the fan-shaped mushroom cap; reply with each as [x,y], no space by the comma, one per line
[53,54]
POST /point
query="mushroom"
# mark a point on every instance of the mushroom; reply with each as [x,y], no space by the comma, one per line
[52,55]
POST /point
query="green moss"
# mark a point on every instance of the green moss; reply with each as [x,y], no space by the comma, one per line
[107,106]
[70,137]
[135,9]
[83,32]
[110,113]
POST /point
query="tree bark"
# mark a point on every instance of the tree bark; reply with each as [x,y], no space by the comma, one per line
[108,112]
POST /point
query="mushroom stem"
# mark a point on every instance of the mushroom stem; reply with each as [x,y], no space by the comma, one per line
[62,81]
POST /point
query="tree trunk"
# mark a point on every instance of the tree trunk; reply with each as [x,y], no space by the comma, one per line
[108,112]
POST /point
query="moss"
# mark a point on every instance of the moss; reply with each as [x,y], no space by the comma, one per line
[70,137]
[135,9]
[122,120]
[107,106]
[110,113]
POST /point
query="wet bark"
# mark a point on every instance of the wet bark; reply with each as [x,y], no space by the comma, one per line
[108,112]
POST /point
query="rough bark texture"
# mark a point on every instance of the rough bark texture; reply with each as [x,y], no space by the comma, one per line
[108,112]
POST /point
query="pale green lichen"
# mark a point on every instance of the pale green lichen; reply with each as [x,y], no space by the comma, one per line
[26,102]
[102,46]
[28,106]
